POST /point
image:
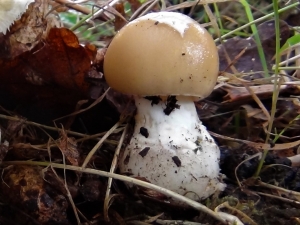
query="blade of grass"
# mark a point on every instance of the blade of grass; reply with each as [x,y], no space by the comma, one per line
[94,13]
[256,37]
[218,15]
[257,21]
[276,86]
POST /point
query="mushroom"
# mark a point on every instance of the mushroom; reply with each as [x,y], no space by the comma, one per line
[10,11]
[167,60]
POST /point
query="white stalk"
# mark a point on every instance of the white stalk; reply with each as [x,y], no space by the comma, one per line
[179,154]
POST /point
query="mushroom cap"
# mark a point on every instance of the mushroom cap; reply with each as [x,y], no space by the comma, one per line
[164,53]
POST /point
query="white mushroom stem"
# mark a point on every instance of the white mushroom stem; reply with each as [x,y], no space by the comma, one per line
[179,154]
[295,160]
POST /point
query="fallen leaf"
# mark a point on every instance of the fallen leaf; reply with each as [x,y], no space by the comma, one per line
[68,147]
[33,195]
[29,30]
[51,74]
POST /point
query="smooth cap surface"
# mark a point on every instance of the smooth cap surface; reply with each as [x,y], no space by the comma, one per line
[164,53]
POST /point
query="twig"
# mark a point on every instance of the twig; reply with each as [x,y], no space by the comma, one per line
[258,146]
[112,170]
[76,7]
[99,144]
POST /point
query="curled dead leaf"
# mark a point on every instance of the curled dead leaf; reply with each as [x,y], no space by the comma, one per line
[29,30]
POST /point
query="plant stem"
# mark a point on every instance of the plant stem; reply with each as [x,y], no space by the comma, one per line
[256,37]
[257,21]
[276,86]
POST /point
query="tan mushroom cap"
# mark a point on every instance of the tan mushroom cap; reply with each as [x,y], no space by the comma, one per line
[163,53]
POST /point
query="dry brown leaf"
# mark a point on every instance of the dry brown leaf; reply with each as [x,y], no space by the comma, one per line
[241,93]
[28,31]
[32,195]
[134,5]
[68,147]
[119,21]
[52,73]
[255,112]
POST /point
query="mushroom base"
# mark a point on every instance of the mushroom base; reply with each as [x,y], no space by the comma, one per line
[173,151]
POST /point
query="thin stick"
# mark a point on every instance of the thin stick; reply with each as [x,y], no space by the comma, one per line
[99,144]
[112,170]
[74,6]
